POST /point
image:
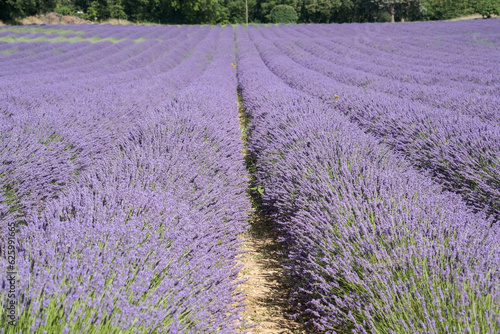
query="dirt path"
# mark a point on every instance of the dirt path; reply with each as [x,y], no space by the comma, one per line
[265,290]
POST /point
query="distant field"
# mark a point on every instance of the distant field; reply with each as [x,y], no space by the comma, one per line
[132,158]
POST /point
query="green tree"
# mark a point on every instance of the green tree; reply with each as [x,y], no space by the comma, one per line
[142,10]
[195,11]
[487,7]
[81,4]
[99,10]
[446,9]
[236,10]
[117,11]
[92,14]
[404,6]
[64,8]
[318,11]
[14,9]
[223,15]
[284,14]
[264,7]
[356,11]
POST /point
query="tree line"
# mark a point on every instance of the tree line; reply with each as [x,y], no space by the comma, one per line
[253,11]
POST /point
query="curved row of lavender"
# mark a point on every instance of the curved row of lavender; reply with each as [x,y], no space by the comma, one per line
[379,65]
[121,165]
[458,147]
[372,245]
[86,32]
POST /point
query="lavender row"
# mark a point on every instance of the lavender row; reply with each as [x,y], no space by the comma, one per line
[462,52]
[130,212]
[157,57]
[423,84]
[103,100]
[87,31]
[459,151]
[449,43]
[104,58]
[378,40]
[384,48]
[139,80]
[65,47]
[371,244]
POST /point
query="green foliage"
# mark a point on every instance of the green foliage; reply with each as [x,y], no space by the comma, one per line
[105,9]
[195,11]
[102,9]
[64,10]
[446,9]
[91,14]
[383,17]
[284,14]
[400,8]
[487,7]
[355,11]
[146,10]
[259,189]
[234,11]
[117,11]
[12,9]
[264,7]
[223,15]
[319,11]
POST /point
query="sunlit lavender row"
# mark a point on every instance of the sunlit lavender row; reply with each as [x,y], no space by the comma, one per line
[438,106]
[372,244]
[122,166]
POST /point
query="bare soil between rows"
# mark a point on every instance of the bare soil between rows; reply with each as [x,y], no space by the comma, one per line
[266,289]
[266,308]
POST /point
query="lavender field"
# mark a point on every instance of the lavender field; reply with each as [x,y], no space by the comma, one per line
[127,175]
